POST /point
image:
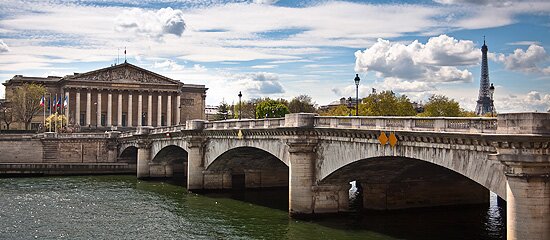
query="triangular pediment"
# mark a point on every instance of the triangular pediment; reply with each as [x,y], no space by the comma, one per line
[123,73]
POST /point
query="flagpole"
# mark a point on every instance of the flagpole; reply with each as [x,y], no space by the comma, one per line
[44,115]
[55,104]
[50,107]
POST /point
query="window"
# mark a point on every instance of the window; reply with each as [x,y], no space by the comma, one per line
[124,119]
[188,102]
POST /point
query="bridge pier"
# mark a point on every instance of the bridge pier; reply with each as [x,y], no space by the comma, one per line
[330,198]
[143,159]
[301,175]
[195,165]
[527,174]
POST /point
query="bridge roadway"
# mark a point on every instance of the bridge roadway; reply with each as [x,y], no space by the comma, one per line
[434,161]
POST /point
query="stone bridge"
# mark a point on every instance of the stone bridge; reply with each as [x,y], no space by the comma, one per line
[400,162]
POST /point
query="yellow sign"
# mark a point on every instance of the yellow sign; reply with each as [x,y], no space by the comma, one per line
[383,138]
[240,134]
[393,139]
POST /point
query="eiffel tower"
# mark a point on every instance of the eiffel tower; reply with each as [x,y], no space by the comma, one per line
[485,101]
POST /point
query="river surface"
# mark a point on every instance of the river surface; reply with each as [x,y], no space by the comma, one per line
[122,207]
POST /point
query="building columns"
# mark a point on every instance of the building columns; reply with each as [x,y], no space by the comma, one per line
[98,122]
[159,110]
[178,110]
[169,110]
[66,105]
[140,110]
[150,110]
[77,108]
[130,112]
[88,108]
[109,109]
[119,112]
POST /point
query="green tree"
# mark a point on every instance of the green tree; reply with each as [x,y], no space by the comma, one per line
[386,103]
[270,108]
[441,106]
[302,103]
[25,102]
[340,110]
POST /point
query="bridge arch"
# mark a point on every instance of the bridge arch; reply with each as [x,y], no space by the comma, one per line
[167,161]
[471,163]
[246,167]
[128,155]
[216,147]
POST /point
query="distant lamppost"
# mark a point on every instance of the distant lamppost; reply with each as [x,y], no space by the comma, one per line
[240,106]
[350,106]
[492,91]
[356,79]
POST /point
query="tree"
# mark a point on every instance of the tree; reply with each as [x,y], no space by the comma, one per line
[270,108]
[6,114]
[25,102]
[340,110]
[302,103]
[223,110]
[442,106]
[386,103]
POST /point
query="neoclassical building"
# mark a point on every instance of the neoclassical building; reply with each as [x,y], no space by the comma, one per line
[122,95]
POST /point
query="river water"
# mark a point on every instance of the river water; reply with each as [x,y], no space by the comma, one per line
[122,207]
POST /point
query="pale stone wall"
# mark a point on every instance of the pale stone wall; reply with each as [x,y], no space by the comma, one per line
[192,106]
[22,150]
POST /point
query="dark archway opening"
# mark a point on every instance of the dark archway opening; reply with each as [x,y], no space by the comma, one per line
[251,175]
[129,156]
[413,199]
[170,162]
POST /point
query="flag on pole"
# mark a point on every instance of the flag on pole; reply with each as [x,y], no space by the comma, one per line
[59,101]
[66,102]
[54,102]
[42,100]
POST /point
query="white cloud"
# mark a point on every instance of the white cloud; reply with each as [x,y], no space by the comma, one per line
[168,65]
[525,61]
[265,1]
[493,3]
[258,83]
[532,101]
[523,43]
[264,66]
[151,23]
[3,47]
[434,61]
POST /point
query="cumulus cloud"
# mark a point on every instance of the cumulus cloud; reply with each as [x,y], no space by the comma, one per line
[434,61]
[258,82]
[532,101]
[3,47]
[168,65]
[526,61]
[151,23]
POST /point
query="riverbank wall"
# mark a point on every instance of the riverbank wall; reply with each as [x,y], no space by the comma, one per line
[61,154]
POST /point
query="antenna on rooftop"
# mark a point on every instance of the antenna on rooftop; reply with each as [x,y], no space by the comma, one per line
[124,54]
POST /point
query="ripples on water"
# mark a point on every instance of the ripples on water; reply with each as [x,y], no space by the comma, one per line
[121,207]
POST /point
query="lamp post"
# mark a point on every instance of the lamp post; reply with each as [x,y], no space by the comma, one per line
[356,79]
[240,106]
[492,91]
[350,106]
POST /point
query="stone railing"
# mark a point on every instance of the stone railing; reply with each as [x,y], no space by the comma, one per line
[438,124]
[246,123]
[428,124]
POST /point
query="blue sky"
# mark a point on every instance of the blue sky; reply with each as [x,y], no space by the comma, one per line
[269,48]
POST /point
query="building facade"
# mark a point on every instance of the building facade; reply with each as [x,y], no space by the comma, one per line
[120,96]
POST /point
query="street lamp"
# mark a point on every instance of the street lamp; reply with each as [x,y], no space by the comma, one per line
[492,91]
[240,106]
[356,79]
[350,106]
